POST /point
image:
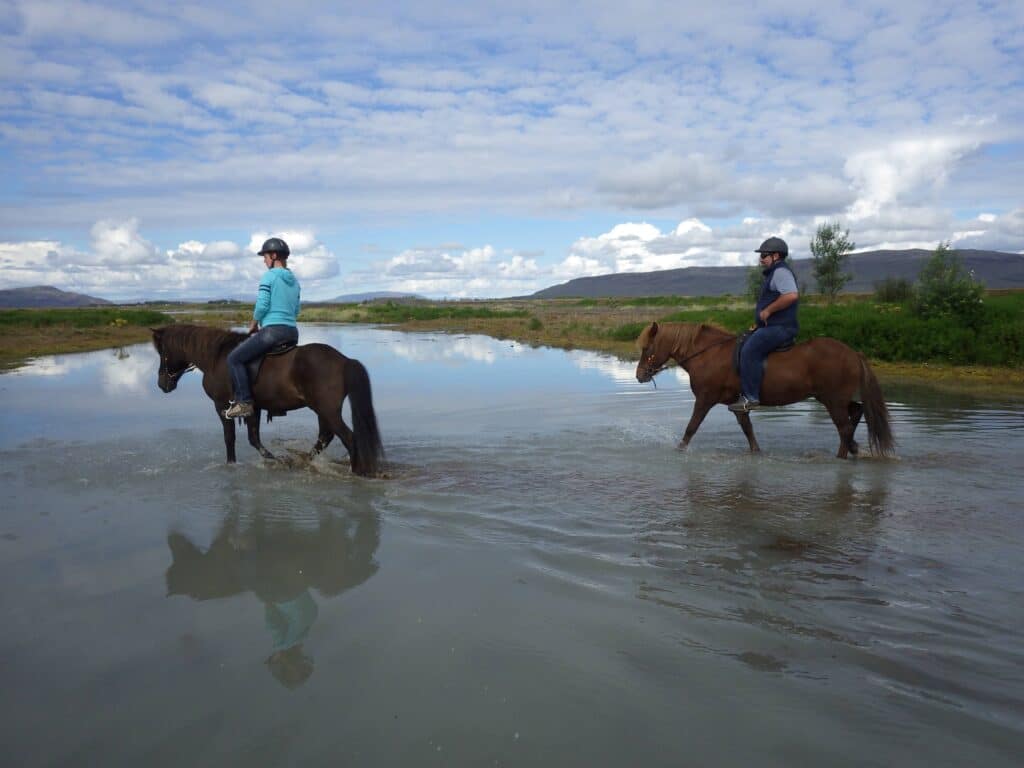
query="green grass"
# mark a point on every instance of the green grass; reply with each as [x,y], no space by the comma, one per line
[660,301]
[393,312]
[86,317]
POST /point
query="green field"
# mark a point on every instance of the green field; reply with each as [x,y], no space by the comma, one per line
[85,317]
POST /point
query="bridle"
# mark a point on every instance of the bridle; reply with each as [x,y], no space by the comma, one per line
[177,374]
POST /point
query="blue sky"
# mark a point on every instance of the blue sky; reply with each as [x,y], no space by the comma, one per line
[493,150]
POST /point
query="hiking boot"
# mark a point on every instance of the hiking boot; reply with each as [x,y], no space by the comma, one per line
[743,404]
[239,410]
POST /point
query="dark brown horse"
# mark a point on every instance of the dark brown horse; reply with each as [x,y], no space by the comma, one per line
[822,368]
[312,376]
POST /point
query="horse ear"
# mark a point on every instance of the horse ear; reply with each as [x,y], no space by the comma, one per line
[654,330]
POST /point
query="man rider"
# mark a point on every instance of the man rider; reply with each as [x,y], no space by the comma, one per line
[775,317]
[273,322]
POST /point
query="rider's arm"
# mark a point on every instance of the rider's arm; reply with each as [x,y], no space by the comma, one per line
[262,298]
[779,304]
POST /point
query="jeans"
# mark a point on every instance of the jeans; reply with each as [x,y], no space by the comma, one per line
[755,350]
[255,346]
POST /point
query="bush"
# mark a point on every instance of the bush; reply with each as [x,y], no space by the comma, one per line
[893,290]
[755,279]
[946,289]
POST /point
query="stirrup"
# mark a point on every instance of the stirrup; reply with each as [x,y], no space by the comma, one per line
[238,410]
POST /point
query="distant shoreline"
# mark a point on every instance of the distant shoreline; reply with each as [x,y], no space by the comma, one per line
[563,324]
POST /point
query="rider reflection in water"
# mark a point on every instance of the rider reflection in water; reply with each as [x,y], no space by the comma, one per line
[282,563]
[274,321]
[775,318]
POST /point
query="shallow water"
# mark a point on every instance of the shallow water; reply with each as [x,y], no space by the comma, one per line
[541,580]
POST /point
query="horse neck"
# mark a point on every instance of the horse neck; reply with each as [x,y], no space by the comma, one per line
[203,347]
[690,344]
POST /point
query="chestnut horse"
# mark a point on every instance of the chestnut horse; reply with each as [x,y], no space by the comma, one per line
[312,376]
[822,368]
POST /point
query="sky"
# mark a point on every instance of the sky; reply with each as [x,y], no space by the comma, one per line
[493,149]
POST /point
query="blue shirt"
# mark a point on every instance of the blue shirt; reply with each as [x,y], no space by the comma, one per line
[277,302]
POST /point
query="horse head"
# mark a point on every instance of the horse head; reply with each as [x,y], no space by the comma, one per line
[172,364]
[653,355]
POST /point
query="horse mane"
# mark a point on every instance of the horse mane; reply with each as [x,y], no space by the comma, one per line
[200,342]
[679,336]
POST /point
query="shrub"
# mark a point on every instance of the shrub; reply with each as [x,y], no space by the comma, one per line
[946,289]
[755,279]
[893,290]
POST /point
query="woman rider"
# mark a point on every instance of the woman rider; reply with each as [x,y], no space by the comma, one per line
[273,322]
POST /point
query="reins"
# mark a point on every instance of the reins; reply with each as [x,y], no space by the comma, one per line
[710,346]
[690,357]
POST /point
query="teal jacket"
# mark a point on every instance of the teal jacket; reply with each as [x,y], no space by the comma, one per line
[277,302]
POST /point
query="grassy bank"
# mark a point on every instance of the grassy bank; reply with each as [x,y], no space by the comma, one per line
[989,355]
[28,333]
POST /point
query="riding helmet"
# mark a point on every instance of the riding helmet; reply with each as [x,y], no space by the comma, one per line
[277,246]
[774,245]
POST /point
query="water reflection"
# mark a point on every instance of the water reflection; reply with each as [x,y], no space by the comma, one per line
[620,371]
[454,349]
[120,370]
[280,561]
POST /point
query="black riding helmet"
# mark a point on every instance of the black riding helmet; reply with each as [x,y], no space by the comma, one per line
[771,245]
[276,246]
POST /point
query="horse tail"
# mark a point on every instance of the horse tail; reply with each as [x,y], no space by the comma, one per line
[368,452]
[876,413]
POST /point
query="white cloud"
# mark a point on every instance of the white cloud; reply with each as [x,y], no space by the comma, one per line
[903,171]
[120,244]
[71,19]
[122,264]
[400,116]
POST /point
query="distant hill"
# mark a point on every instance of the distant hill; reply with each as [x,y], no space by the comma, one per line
[42,296]
[359,298]
[993,268]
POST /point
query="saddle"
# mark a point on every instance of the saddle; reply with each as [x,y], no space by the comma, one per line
[742,339]
[254,365]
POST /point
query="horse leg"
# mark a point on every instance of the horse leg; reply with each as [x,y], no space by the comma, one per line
[856,410]
[252,424]
[229,430]
[323,439]
[337,425]
[700,410]
[748,430]
[841,418]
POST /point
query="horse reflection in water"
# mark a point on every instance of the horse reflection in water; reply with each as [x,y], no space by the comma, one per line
[280,562]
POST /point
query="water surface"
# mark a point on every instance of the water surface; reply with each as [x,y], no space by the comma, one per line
[541,580]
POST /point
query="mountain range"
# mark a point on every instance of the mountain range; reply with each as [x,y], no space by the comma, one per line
[993,268]
[42,296]
[996,269]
